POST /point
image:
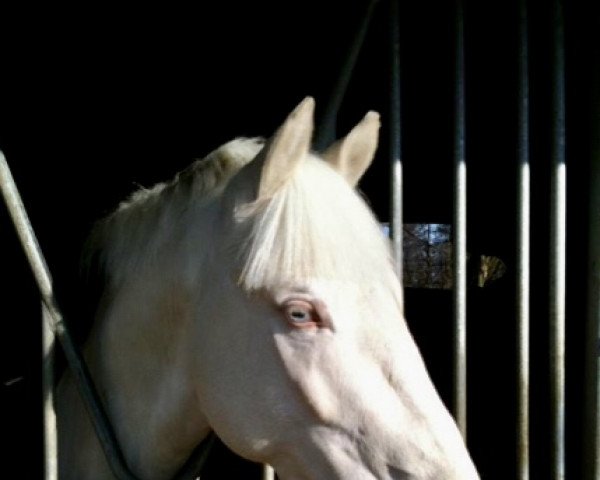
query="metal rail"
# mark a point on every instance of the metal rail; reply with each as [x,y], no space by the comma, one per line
[523,247]
[558,211]
[268,473]
[459,243]
[49,415]
[396,223]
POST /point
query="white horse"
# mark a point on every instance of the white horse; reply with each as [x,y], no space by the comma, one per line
[255,296]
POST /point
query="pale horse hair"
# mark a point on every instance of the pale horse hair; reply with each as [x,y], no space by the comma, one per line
[310,228]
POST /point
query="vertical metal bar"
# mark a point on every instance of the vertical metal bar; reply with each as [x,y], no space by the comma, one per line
[49,415]
[558,248]
[396,222]
[326,130]
[41,273]
[459,245]
[523,249]
[592,373]
[268,473]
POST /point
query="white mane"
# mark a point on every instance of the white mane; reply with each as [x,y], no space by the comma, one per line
[144,221]
[316,226]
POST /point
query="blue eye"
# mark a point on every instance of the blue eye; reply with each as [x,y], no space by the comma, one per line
[300,313]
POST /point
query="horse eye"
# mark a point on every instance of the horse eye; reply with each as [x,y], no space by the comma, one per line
[300,314]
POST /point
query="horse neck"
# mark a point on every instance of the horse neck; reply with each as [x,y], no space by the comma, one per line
[141,359]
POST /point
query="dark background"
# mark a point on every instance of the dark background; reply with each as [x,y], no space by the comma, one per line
[97,99]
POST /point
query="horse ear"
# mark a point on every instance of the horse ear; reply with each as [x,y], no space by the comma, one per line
[352,155]
[286,148]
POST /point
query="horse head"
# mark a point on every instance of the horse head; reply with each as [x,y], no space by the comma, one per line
[306,361]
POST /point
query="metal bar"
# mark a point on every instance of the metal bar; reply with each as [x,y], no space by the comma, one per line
[44,282]
[396,222]
[523,248]
[268,473]
[49,414]
[459,244]
[326,132]
[558,249]
[592,370]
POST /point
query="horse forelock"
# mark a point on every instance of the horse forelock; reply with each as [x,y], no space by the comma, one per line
[120,242]
[315,226]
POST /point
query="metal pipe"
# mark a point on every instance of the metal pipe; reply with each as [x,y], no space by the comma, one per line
[396,222]
[268,473]
[57,325]
[558,248]
[326,131]
[523,248]
[49,414]
[459,244]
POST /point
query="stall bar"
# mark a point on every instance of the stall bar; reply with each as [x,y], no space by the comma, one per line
[558,200]
[459,243]
[523,247]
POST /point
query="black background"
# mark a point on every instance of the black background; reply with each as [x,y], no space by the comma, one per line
[97,99]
